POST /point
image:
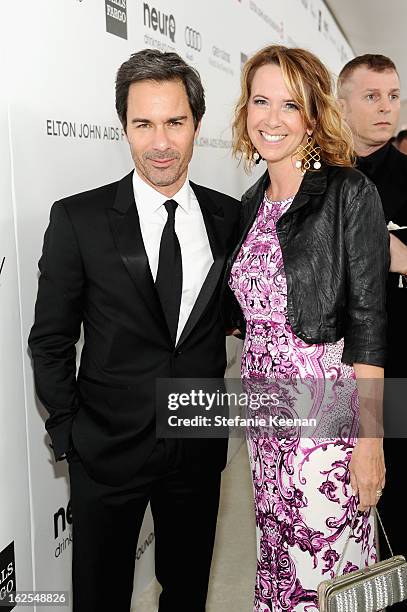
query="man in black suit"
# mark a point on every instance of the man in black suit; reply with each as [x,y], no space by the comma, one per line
[369,93]
[140,263]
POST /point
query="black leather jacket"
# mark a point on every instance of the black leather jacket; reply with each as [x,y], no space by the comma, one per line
[335,248]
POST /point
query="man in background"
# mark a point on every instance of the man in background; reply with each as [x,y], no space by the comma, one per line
[369,94]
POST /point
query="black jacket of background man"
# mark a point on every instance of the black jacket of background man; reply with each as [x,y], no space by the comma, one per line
[95,270]
[387,168]
[335,248]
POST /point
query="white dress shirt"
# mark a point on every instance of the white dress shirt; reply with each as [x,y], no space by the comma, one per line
[190,228]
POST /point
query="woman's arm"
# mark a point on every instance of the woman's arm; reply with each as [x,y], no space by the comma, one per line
[368,261]
[367,467]
[367,268]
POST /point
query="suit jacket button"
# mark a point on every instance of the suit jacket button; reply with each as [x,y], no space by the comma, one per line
[177,353]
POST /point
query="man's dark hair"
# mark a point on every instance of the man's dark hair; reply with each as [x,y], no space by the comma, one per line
[402,135]
[154,65]
[375,62]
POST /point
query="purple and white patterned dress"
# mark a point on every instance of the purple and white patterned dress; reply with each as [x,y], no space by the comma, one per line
[303,498]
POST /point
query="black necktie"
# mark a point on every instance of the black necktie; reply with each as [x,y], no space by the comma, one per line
[169,274]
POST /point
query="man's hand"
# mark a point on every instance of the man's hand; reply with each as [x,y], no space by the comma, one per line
[234,332]
[398,255]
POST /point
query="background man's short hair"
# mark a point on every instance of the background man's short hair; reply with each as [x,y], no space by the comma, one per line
[154,65]
[374,62]
[402,135]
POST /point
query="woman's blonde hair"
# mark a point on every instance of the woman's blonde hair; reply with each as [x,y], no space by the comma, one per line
[310,84]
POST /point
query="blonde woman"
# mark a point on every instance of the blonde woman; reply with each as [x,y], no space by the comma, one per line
[309,276]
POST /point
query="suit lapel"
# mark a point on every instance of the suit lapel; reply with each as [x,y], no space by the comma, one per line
[125,225]
[214,224]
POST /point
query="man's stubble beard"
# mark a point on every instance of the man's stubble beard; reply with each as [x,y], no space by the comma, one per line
[155,179]
[158,178]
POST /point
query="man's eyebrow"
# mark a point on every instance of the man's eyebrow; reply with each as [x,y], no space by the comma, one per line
[179,118]
[377,89]
[140,120]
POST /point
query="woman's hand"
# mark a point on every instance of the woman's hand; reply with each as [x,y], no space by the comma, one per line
[367,471]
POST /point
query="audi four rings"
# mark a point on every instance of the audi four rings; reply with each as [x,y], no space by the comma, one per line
[193,39]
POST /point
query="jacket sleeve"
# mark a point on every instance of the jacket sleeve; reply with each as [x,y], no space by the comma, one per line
[368,260]
[57,325]
[232,313]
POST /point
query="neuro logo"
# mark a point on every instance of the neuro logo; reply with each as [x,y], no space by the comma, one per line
[157,20]
[116,17]
[62,519]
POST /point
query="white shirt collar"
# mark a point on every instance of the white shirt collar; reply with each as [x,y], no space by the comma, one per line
[149,200]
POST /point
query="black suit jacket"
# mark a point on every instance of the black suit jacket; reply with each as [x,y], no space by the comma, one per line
[387,168]
[95,270]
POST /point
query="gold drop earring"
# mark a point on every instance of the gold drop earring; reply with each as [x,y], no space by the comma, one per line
[308,154]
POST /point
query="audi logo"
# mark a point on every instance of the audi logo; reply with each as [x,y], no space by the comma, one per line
[193,39]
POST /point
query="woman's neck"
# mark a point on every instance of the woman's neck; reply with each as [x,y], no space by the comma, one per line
[285,180]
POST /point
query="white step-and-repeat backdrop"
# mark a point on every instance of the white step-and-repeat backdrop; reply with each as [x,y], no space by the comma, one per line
[60,135]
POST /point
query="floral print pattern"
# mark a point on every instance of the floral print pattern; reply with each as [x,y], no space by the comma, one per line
[303,498]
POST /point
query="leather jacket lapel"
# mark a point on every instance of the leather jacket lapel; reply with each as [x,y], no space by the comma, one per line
[313,183]
[251,201]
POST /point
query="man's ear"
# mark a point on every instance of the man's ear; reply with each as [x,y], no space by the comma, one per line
[197,130]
